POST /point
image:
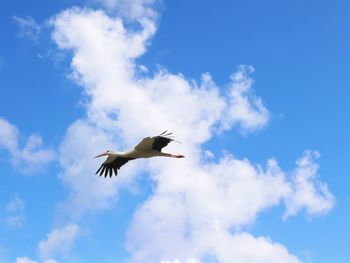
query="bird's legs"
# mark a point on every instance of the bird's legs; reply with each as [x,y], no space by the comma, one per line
[173,155]
[178,156]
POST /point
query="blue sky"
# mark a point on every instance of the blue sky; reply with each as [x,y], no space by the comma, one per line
[256,91]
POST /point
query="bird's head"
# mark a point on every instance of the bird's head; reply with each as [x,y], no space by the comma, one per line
[106,153]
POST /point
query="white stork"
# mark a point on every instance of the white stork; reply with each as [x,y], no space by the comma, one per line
[148,147]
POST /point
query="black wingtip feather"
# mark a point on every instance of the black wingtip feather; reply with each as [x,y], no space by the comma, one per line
[108,168]
[103,170]
[165,133]
[98,169]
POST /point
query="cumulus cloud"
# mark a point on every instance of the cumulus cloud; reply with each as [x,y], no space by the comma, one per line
[29,158]
[116,116]
[243,247]
[309,191]
[197,208]
[59,242]
[245,109]
[28,27]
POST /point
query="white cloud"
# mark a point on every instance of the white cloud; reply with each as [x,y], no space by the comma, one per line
[59,242]
[30,158]
[87,137]
[115,115]
[24,260]
[191,260]
[28,27]
[243,247]
[83,140]
[197,208]
[8,135]
[28,260]
[16,204]
[309,191]
[201,210]
[15,210]
[16,221]
[132,9]
[245,108]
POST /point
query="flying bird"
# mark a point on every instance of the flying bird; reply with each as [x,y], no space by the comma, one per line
[148,147]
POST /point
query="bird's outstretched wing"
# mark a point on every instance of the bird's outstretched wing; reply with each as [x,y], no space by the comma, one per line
[113,166]
[155,143]
[160,142]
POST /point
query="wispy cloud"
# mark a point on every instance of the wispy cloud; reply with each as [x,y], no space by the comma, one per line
[28,27]
[28,159]
[15,211]
[28,260]
[24,260]
[59,242]
[191,260]
[3,252]
[196,208]
[132,9]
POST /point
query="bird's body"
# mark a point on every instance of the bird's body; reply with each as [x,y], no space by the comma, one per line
[147,148]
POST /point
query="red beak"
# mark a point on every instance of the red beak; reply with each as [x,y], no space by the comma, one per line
[100,155]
